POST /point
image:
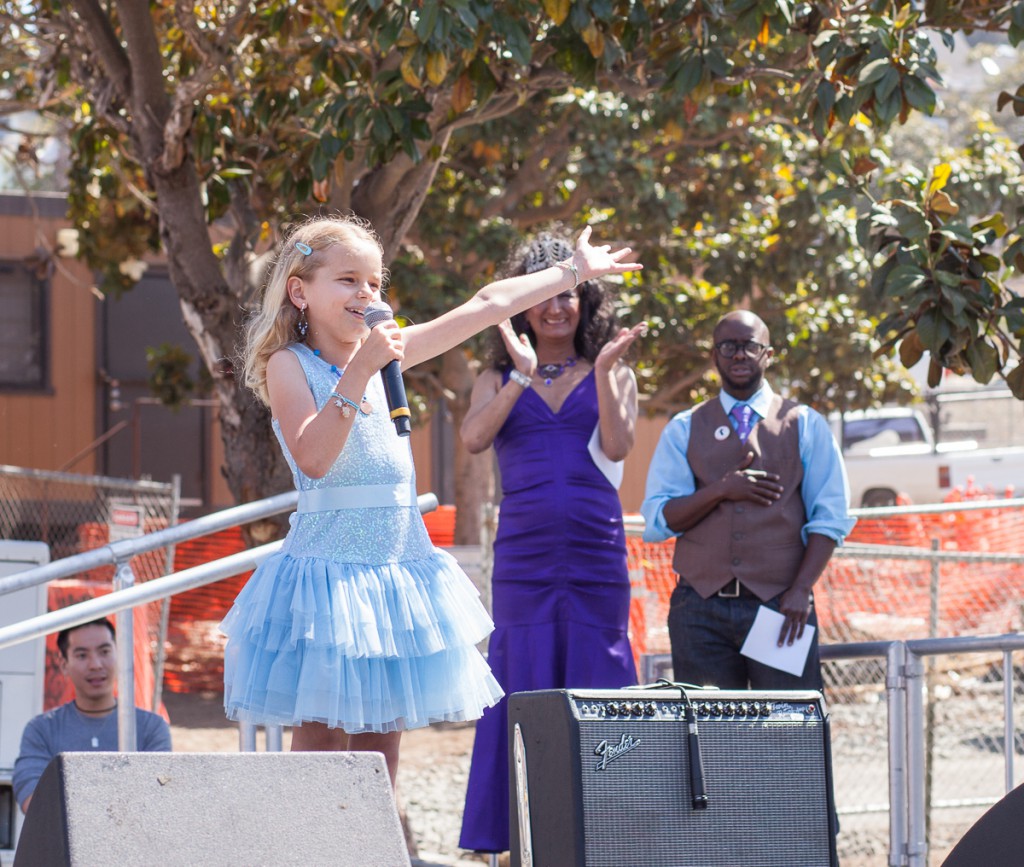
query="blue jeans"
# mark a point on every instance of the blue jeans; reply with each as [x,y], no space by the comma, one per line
[706,637]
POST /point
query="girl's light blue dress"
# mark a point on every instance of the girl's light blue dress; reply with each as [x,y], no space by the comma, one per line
[358,622]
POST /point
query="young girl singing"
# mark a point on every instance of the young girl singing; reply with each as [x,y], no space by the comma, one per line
[358,628]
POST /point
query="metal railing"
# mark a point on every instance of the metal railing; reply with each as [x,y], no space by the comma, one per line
[127,594]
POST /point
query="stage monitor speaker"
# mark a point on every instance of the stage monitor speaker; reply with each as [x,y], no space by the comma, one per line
[995,839]
[610,778]
[213,808]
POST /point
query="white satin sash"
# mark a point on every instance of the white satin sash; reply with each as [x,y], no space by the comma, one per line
[356,497]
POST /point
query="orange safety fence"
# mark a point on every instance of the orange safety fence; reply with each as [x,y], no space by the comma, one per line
[857,599]
[195,645]
[441,525]
[876,598]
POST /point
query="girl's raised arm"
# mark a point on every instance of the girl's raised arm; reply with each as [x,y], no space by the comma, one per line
[504,298]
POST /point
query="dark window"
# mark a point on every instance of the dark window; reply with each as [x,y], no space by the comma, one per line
[23,332]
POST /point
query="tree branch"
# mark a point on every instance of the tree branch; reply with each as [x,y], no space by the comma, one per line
[111,55]
[542,163]
[214,59]
[666,397]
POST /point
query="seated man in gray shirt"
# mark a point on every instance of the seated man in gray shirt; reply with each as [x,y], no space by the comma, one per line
[89,721]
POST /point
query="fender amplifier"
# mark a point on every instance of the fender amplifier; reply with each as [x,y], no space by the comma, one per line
[646,776]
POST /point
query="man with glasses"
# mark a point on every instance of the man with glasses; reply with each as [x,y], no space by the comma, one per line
[753,488]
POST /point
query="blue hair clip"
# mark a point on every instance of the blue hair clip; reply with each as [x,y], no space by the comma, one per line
[304,249]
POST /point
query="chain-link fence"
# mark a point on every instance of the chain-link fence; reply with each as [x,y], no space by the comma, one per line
[964,578]
[75,513]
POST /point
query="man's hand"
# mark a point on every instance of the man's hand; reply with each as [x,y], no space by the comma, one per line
[758,486]
[795,605]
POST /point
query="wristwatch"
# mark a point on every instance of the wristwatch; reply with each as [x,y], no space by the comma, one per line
[520,378]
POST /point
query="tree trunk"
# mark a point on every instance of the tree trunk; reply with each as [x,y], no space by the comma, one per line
[213,312]
[474,474]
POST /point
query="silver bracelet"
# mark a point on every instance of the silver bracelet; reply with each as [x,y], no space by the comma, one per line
[570,265]
[520,378]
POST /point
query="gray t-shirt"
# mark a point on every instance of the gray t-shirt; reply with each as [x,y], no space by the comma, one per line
[65,730]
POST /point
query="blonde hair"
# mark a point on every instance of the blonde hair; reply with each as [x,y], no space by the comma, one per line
[275,324]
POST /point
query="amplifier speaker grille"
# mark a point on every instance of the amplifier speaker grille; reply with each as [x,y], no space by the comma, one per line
[613,790]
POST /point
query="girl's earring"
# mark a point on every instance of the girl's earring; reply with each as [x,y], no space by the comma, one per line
[303,322]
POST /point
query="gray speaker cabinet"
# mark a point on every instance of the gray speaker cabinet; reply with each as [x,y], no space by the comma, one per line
[602,778]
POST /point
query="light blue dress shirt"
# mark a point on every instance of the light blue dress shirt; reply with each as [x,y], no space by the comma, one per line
[825,489]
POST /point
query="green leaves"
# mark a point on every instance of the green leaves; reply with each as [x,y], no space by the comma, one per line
[170,379]
[733,138]
[956,294]
[904,279]
[983,360]
[880,69]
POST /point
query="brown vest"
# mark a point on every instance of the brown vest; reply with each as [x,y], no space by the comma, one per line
[760,545]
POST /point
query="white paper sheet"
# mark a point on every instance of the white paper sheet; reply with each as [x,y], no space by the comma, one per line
[762,643]
[612,470]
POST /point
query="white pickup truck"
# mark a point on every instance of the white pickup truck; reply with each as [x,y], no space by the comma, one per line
[893,451]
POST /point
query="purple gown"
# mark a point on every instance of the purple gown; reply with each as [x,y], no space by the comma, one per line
[560,587]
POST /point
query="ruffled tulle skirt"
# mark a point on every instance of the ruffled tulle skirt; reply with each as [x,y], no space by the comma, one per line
[364,648]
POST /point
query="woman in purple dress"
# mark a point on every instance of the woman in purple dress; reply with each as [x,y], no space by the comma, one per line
[559,406]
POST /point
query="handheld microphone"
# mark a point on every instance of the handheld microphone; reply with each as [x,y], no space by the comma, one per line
[394,387]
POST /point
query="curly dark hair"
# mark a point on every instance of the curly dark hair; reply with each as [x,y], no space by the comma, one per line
[598,320]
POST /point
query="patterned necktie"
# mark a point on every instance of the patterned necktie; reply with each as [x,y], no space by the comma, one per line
[743,415]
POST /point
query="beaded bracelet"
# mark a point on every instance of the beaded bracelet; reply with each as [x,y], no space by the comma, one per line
[570,265]
[346,405]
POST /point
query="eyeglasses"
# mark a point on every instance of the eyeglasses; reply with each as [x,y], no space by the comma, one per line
[751,348]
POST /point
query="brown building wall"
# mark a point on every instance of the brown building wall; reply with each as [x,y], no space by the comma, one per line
[45,429]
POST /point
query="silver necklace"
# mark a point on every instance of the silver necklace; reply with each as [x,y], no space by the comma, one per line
[100,724]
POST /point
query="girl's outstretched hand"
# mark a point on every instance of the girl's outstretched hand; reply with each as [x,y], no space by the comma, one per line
[594,262]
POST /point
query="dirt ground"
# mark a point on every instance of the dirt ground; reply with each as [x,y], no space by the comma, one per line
[432,776]
[198,725]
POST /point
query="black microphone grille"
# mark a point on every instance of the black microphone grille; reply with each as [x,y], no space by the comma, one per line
[377,312]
